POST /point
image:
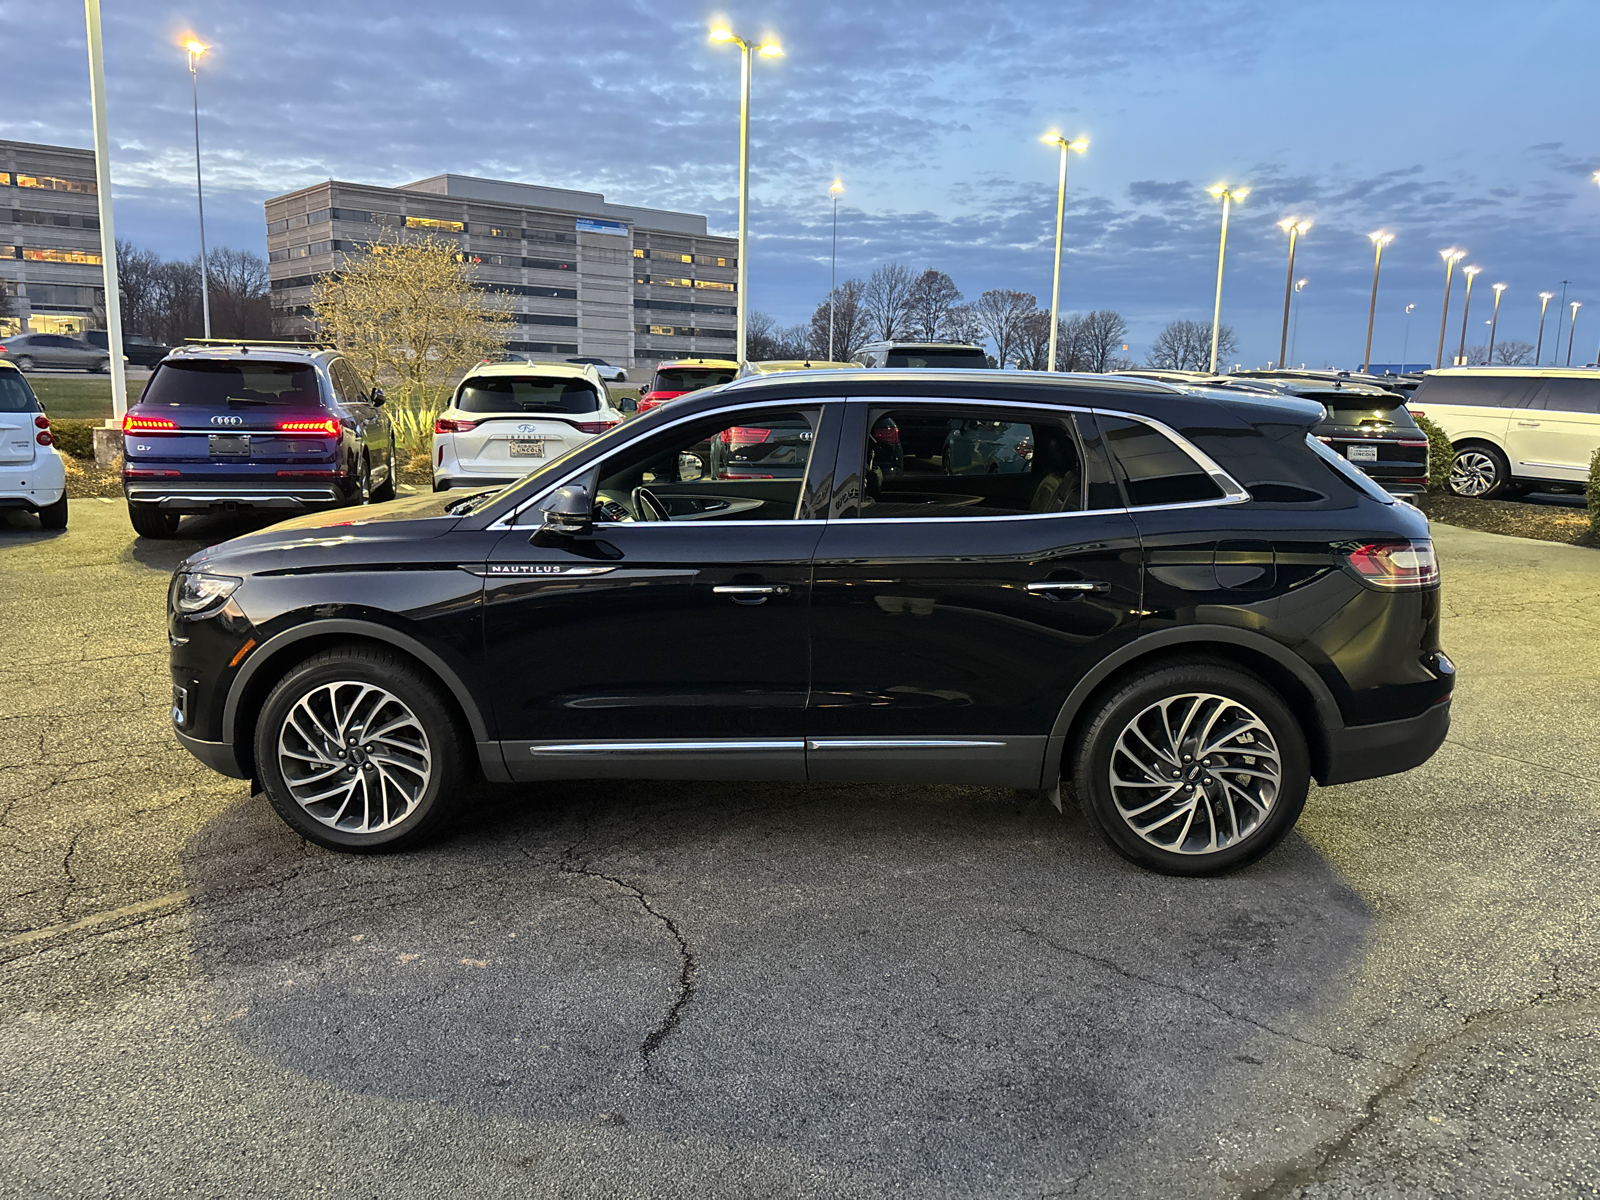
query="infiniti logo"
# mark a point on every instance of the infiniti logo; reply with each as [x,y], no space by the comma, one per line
[227,420]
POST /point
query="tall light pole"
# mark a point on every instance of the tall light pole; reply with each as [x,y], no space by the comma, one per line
[833,262]
[1572,329]
[1561,313]
[1379,240]
[1494,322]
[1544,303]
[769,49]
[1405,346]
[1299,286]
[1451,257]
[1294,227]
[195,49]
[1466,307]
[1228,196]
[108,232]
[1080,145]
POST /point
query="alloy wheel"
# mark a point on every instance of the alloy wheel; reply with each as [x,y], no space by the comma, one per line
[1473,473]
[1195,773]
[354,757]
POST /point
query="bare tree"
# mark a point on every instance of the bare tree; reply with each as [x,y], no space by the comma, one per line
[849,323]
[1186,346]
[933,294]
[139,287]
[1512,353]
[887,301]
[1001,314]
[1100,337]
[241,303]
[961,324]
[767,341]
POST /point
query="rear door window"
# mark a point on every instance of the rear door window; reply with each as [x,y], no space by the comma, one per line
[1483,391]
[1568,395]
[214,382]
[1155,469]
[519,394]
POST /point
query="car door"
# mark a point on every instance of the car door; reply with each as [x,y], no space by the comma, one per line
[665,648]
[55,351]
[352,396]
[952,614]
[1555,435]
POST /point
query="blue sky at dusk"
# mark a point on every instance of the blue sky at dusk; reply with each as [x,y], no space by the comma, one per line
[1461,122]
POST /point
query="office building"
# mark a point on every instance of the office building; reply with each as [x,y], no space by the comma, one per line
[580,275]
[50,264]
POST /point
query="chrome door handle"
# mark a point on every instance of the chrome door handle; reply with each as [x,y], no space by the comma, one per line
[1072,585]
[750,593]
[1528,424]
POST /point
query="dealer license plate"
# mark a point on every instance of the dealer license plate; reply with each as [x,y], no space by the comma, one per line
[527,449]
[229,445]
[1362,453]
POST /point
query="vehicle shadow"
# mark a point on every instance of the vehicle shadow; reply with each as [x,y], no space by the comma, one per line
[949,989]
[194,533]
[21,528]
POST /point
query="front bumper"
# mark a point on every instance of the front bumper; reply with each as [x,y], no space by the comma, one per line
[219,756]
[1369,751]
[178,495]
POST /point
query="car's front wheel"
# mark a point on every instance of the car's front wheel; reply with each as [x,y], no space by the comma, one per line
[1479,472]
[152,522]
[358,751]
[1193,769]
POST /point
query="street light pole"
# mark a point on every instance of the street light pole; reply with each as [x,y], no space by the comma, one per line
[1406,345]
[1228,196]
[195,49]
[1379,240]
[833,263]
[1544,303]
[1451,257]
[1572,328]
[1494,323]
[1561,313]
[108,232]
[746,50]
[1080,146]
[1466,307]
[1299,286]
[1294,227]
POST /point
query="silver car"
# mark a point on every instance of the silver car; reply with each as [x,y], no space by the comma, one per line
[28,351]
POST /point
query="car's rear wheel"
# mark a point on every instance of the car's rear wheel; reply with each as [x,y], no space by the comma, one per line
[103,367]
[1479,471]
[358,751]
[54,516]
[1193,769]
[152,522]
[24,362]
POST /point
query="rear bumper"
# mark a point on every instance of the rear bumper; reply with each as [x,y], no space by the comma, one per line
[1368,751]
[178,495]
[443,483]
[33,485]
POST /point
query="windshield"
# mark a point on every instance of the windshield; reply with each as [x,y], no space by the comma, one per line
[964,357]
[15,394]
[214,382]
[526,394]
[690,379]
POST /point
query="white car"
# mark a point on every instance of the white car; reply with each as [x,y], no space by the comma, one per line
[506,419]
[1514,429]
[607,372]
[32,475]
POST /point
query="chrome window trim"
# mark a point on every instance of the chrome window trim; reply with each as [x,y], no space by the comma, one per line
[1233,491]
[899,743]
[656,747]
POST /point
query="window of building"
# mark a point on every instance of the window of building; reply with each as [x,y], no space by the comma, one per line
[436,223]
[502,232]
[713,285]
[63,256]
[711,260]
[544,347]
[296,222]
[662,330]
[549,264]
[276,227]
[319,217]
[544,319]
[351,214]
[638,253]
[665,282]
[5,178]
[25,216]
[54,183]
[549,235]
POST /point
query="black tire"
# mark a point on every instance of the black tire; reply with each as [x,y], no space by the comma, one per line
[103,367]
[23,362]
[1478,472]
[152,522]
[54,516]
[1239,832]
[317,681]
[387,492]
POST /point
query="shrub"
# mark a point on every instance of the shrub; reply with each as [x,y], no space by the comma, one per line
[1593,491]
[1441,454]
[74,438]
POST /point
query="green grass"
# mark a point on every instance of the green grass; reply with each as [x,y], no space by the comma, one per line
[78,399]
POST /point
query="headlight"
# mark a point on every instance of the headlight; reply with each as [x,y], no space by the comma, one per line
[198,592]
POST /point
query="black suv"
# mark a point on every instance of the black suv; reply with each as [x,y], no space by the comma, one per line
[257,426]
[1185,609]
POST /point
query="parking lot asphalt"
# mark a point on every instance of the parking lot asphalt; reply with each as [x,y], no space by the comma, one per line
[682,989]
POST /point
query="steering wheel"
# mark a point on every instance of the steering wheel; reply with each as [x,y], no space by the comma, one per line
[647,506]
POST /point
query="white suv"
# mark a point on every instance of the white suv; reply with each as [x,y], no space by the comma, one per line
[506,419]
[32,475]
[1514,428]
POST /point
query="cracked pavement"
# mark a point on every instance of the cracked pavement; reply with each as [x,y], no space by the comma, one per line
[709,989]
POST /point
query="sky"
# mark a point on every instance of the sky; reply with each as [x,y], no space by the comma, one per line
[1463,123]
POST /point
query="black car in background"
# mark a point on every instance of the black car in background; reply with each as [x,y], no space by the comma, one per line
[947,356]
[263,427]
[139,350]
[1183,612]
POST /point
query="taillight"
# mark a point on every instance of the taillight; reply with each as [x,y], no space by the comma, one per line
[450,425]
[888,436]
[41,421]
[1395,566]
[745,435]
[133,424]
[594,426]
[332,427]
[44,439]
[1419,412]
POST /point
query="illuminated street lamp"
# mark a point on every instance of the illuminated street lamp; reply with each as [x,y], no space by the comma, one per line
[1573,328]
[1294,227]
[1451,257]
[1544,303]
[1227,195]
[1082,144]
[1494,322]
[769,49]
[195,48]
[1379,240]
[1461,352]
[835,191]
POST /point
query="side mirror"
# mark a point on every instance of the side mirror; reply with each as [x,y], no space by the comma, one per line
[628,404]
[690,467]
[569,515]
[377,396]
